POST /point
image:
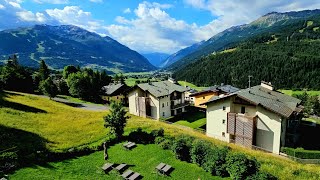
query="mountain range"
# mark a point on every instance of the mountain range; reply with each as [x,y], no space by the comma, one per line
[270,23]
[156,59]
[70,45]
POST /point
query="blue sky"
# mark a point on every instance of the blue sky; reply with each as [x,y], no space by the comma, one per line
[145,26]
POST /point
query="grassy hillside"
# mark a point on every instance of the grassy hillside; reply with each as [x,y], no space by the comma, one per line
[59,126]
[62,126]
[185,83]
[290,92]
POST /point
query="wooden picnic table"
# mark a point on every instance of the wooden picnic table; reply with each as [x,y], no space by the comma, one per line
[120,167]
[107,166]
[134,176]
[126,174]
[131,145]
[160,166]
[166,168]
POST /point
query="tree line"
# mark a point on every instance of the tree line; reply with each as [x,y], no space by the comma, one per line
[83,83]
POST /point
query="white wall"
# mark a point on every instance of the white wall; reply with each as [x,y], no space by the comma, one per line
[215,117]
[268,134]
[268,130]
[166,109]
[132,102]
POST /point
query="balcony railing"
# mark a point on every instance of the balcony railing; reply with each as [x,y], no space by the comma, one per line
[186,103]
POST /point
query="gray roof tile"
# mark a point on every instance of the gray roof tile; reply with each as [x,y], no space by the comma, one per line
[161,88]
[273,100]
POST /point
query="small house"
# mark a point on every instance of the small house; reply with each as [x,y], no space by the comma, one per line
[258,117]
[157,99]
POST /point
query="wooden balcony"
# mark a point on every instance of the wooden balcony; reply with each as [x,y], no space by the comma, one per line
[241,128]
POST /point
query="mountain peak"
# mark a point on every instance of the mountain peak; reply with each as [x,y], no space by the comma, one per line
[70,45]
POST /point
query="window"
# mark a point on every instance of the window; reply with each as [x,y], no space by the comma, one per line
[167,103]
[243,109]
[162,104]
[203,97]
[163,114]
[223,134]
[223,108]
[223,121]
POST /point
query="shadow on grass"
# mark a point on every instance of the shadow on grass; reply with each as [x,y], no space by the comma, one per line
[27,149]
[17,106]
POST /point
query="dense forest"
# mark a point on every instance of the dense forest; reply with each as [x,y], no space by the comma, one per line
[81,83]
[290,59]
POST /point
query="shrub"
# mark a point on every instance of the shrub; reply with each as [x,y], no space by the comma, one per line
[181,147]
[157,132]
[216,161]
[199,152]
[240,167]
[159,140]
[8,161]
[261,176]
[301,153]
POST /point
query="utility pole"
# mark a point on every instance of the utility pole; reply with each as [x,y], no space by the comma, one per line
[249,80]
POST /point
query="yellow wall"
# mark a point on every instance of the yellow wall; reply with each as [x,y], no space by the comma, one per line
[203,98]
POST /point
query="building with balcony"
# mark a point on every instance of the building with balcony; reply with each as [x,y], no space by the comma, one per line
[157,99]
[258,117]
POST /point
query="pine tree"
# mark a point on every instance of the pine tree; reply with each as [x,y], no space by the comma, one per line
[43,70]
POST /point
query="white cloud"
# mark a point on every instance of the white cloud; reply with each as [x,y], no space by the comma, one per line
[76,16]
[2,6]
[96,1]
[126,11]
[15,4]
[52,1]
[29,16]
[152,30]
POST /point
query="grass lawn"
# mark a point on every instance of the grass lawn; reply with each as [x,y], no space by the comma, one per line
[62,126]
[191,119]
[132,81]
[142,159]
[185,83]
[314,120]
[290,92]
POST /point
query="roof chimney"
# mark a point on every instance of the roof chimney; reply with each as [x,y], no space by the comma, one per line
[267,85]
[172,80]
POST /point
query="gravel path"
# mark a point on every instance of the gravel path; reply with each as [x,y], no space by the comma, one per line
[87,106]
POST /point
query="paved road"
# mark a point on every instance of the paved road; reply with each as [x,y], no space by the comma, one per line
[87,106]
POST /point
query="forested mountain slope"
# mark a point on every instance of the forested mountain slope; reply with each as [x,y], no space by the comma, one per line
[289,58]
[270,23]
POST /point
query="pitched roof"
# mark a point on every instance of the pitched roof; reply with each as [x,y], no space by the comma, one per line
[112,88]
[161,88]
[224,88]
[275,101]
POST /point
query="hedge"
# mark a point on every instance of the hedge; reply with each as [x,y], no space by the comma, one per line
[301,153]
